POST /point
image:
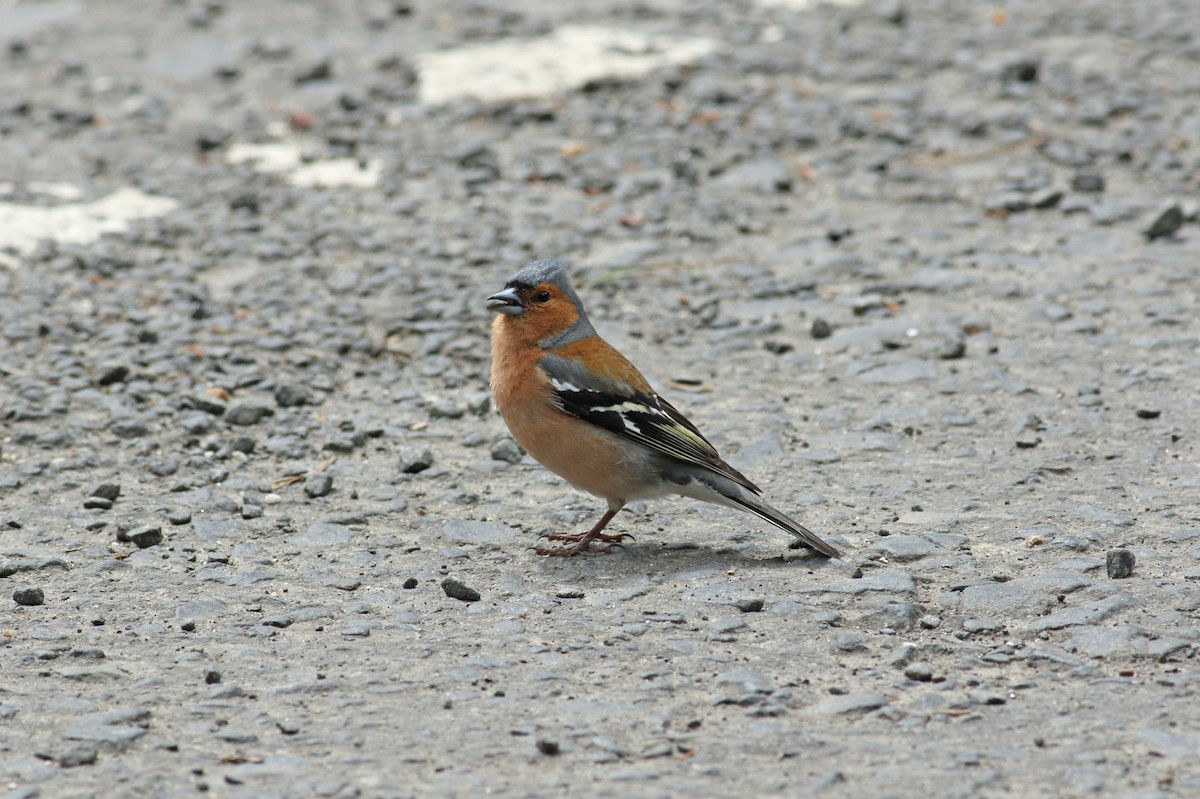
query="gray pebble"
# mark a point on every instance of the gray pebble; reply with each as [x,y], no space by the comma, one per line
[196,422]
[1120,563]
[446,409]
[178,516]
[73,755]
[906,548]
[144,536]
[113,373]
[851,642]
[1088,182]
[346,441]
[109,491]
[750,605]
[1168,221]
[209,406]
[242,444]
[507,450]
[246,413]
[291,396]
[415,459]
[850,704]
[457,589]
[921,672]
[97,503]
[318,484]
[894,616]
[29,596]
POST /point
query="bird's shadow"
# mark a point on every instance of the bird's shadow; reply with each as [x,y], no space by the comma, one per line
[636,558]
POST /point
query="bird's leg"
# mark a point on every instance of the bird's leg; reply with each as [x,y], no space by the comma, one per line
[585,542]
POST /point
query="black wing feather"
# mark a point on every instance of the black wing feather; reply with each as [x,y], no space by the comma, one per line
[638,416]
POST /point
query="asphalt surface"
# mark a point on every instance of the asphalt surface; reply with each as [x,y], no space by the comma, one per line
[925,271]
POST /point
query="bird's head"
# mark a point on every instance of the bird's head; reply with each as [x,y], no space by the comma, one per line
[539,304]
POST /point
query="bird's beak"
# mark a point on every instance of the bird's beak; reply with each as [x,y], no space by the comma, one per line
[506,302]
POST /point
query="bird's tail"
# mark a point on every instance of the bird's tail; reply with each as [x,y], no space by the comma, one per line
[724,491]
[779,519]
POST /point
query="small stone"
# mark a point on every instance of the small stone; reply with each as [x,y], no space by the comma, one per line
[548,747]
[1047,198]
[1120,563]
[1148,413]
[212,677]
[196,422]
[415,459]
[411,583]
[894,616]
[507,450]
[1088,182]
[457,589]
[29,596]
[921,672]
[445,409]
[321,70]
[318,484]
[97,503]
[206,404]
[850,704]
[289,396]
[78,755]
[345,442]
[178,516]
[109,491]
[851,642]
[754,605]
[252,511]
[188,626]
[144,536]
[115,373]
[1166,223]
[930,621]
[246,413]
[820,329]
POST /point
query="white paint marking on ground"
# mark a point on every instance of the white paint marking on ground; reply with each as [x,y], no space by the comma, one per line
[565,59]
[23,226]
[287,157]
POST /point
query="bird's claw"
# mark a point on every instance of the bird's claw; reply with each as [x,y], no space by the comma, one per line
[588,543]
[617,538]
[580,548]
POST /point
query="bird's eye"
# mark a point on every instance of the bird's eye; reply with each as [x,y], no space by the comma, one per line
[542,296]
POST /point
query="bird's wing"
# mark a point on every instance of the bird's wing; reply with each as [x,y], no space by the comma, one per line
[639,416]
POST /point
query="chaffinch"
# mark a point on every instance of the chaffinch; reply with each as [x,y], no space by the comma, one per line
[586,413]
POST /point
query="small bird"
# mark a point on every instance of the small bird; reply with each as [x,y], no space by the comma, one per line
[586,413]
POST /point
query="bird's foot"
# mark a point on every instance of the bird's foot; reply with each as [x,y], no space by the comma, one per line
[583,544]
[605,537]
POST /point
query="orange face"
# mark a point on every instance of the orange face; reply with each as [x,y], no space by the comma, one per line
[534,314]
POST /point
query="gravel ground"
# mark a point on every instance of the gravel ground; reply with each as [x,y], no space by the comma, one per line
[925,270]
